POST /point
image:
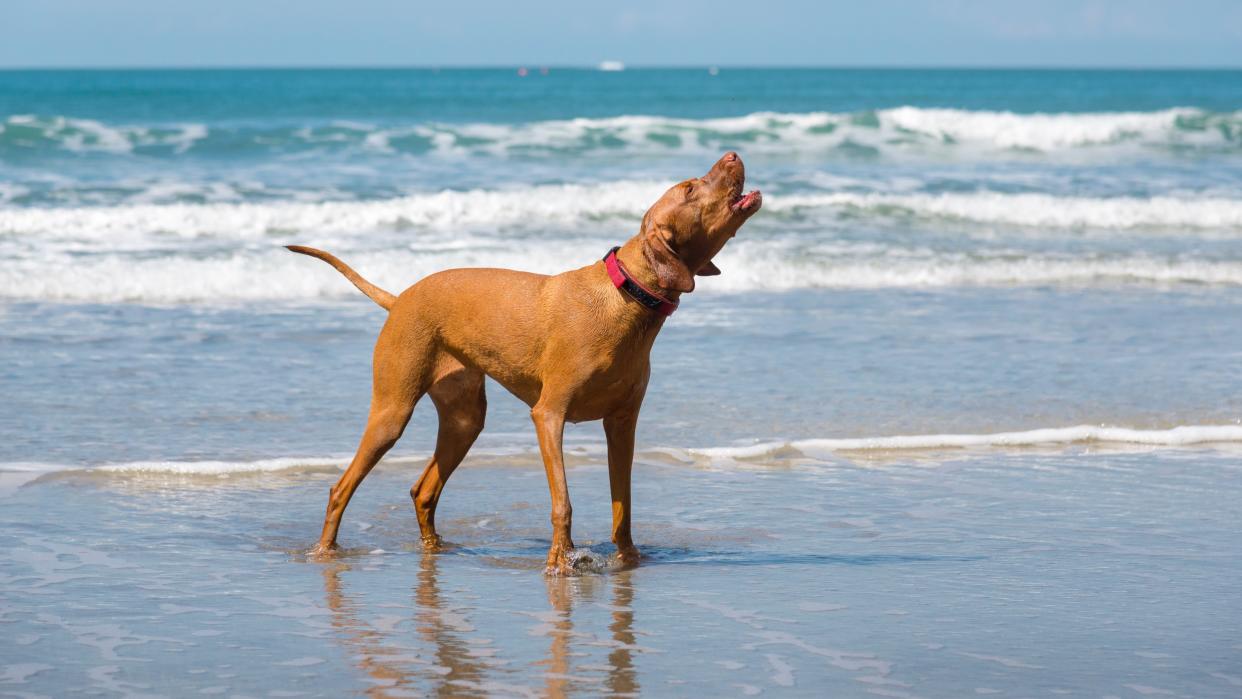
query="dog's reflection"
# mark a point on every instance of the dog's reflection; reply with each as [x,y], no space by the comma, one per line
[368,645]
[398,665]
[622,677]
[564,593]
[455,668]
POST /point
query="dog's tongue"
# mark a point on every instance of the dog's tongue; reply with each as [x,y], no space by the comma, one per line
[748,201]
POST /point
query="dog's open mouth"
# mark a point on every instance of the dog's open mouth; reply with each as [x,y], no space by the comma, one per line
[747,203]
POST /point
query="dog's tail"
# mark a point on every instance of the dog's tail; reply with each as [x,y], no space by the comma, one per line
[373,292]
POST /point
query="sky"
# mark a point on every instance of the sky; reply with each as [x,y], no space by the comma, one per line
[907,33]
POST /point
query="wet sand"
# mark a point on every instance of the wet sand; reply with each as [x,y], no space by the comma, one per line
[937,574]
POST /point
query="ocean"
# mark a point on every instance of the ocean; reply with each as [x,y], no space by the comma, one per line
[962,415]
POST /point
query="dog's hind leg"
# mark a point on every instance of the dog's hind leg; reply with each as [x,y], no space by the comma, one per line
[400,370]
[384,427]
[462,407]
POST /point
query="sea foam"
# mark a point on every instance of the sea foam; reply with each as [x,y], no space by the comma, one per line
[222,468]
[33,132]
[1035,210]
[232,251]
[885,131]
[890,131]
[588,205]
[1183,435]
[276,274]
[547,204]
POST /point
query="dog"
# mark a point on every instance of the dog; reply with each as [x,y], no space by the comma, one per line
[573,346]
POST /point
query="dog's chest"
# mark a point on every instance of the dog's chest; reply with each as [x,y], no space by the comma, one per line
[613,387]
[608,399]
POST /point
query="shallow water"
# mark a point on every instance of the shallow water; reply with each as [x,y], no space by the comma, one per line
[1073,572]
[115,384]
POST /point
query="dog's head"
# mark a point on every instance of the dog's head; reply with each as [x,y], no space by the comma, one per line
[684,230]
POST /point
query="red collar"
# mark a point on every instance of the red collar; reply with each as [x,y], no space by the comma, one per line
[622,280]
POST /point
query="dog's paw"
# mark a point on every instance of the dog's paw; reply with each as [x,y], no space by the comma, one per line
[322,552]
[574,562]
[627,557]
[559,563]
[433,543]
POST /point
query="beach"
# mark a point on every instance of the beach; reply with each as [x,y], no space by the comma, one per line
[1074,572]
[962,415]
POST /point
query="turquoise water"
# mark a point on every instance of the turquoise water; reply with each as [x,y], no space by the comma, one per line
[960,416]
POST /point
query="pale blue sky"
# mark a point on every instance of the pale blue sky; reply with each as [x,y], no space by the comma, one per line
[1126,33]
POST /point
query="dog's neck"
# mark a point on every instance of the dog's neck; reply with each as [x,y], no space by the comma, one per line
[632,320]
[635,262]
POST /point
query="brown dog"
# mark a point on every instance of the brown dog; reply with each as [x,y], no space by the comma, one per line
[574,346]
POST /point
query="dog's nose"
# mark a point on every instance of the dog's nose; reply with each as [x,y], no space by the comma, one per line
[729,167]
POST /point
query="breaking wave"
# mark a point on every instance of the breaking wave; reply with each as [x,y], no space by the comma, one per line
[1035,210]
[222,468]
[574,205]
[173,253]
[1181,436]
[878,131]
[279,275]
[548,204]
[28,132]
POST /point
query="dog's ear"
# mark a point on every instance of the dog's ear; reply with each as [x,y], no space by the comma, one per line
[670,271]
[708,270]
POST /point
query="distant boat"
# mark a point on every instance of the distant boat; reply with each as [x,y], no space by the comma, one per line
[611,66]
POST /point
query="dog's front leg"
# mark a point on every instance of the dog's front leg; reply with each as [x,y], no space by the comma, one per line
[619,430]
[549,420]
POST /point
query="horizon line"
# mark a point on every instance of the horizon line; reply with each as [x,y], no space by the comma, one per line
[627,66]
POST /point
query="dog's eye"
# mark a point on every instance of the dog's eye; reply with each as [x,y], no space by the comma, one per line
[689,189]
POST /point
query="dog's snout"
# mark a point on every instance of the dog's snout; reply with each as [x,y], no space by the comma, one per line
[728,168]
